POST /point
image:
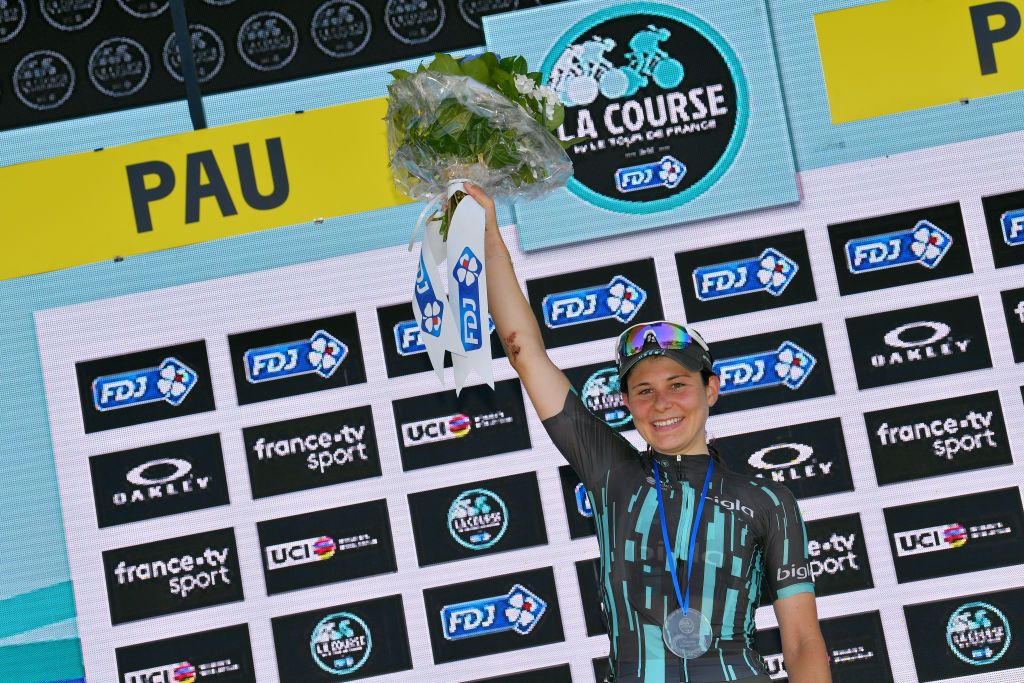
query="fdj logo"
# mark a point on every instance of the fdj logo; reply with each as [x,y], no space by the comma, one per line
[924,244]
[519,611]
[656,104]
[467,272]
[307,550]
[978,633]
[321,354]
[1013,227]
[182,672]
[341,643]
[770,272]
[787,366]
[171,381]
[477,519]
[619,299]
[602,395]
[583,501]
[430,306]
[408,341]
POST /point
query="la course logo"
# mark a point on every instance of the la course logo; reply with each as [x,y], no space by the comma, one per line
[658,101]
[978,633]
[341,643]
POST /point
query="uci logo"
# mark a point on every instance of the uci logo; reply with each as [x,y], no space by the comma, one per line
[171,673]
[171,381]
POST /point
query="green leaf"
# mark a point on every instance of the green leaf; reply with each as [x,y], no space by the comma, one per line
[535,76]
[515,65]
[446,64]
[477,70]
[399,74]
[559,117]
[491,60]
[566,144]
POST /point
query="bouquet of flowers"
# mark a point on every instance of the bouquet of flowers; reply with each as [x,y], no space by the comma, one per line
[485,120]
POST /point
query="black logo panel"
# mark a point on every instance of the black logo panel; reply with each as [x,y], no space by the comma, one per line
[588,574]
[553,674]
[326,546]
[174,575]
[1013,308]
[938,437]
[599,388]
[956,535]
[478,518]
[1004,217]
[404,353]
[310,452]
[855,645]
[809,458]
[967,636]
[596,303]
[772,368]
[900,249]
[223,655]
[442,428]
[744,277]
[492,615]
[296,359]
[357,640]
[838,555]
[578,509]
[144,386]
[153,481]
[918,343]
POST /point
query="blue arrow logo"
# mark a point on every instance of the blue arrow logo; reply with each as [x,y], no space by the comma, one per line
[666,172]
[924,244]
[770,272]
[1013,227]
[171,381]
[520,610]
[583,501]
[620,299]
[321,354]
[788,366]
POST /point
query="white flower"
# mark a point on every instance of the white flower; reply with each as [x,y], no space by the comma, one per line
[172,381]
[468,270]
[520,610]
[525,84]
[622,298]
[323,355]
[548,98]
[927,243]
[773,271]
[791,365]
[432,316]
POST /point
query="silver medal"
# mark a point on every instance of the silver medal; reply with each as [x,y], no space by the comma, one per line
[687,635]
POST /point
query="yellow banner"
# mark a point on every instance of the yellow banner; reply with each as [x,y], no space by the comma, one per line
[195,187]
[902,55]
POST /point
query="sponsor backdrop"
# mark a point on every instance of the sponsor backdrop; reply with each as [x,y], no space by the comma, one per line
[243,468]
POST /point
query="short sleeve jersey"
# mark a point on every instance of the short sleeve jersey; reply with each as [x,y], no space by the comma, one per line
[750,532]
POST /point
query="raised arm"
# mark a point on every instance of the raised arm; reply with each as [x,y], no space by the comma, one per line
[517,328]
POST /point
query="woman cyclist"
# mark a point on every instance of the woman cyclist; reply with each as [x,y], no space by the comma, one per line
[669,619]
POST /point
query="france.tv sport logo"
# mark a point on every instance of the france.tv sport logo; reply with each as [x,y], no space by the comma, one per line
[788,366]
[924,244]
[1013,227]
[770,272]
[619,299]
[408,341]
[321,354]
[667,172]
[519,611]
[171,381]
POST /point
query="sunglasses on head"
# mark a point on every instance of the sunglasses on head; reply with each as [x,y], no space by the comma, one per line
[666,335]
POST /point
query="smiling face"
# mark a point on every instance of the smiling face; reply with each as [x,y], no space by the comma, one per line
[670,404]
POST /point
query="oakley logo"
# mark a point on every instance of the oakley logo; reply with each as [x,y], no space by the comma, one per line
[936,344]
[800,453]
[619,299]
[519,611]
[171,381]
[770,272]
[668,172]
[321,354]
[788,366]
[924,244]
[1013,227]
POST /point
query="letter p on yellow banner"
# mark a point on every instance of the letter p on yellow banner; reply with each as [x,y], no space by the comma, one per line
[901,55]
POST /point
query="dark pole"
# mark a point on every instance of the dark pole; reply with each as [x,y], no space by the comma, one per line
[188,65]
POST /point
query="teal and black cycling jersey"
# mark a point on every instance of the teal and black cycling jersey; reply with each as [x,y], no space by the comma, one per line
[750,532]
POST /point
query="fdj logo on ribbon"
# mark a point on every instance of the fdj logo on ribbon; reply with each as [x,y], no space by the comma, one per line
[788,366]
[925,244]
[770,272]
[658,99]
[321,354]
[408,341]
[1013,227]
[430,305]
[467,273]
[519,611]
[620,299]
[170,381]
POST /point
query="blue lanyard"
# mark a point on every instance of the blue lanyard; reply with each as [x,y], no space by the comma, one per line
[685,604]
